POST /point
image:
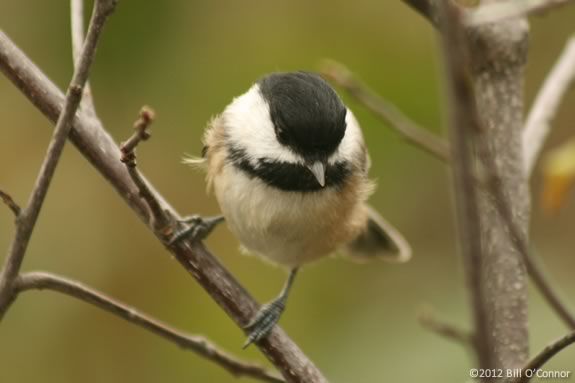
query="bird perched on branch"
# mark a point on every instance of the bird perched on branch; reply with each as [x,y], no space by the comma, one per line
[288,164]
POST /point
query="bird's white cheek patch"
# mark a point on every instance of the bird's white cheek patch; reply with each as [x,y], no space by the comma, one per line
[352,145]
[249,126]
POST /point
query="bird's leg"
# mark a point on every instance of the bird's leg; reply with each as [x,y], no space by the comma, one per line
[269,314]
[195,228]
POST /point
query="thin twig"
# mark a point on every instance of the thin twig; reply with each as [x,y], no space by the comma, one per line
[464,123]
[388,112]
[429,321]
[28,217]
[197,344]
[77,34]
[543,357]
[504,10]
[141,133]
[98,147]
[9,201]
[159,220]
[546,105]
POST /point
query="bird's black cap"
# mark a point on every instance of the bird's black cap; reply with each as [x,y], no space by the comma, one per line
[307,114]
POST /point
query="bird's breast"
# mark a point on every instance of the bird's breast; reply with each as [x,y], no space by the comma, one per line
[287,227]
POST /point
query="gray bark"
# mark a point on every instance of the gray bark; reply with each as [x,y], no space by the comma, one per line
[499,55]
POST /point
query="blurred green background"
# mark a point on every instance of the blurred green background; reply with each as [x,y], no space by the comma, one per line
[188,59]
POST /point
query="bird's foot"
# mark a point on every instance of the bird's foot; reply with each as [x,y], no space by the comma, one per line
[264,321]
[194,228]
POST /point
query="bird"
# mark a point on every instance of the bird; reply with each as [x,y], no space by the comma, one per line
[288,165]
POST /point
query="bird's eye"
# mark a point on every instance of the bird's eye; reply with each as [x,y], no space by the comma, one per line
[282,135]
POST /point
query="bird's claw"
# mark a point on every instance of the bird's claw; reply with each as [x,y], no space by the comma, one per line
[194,228]
[264,321]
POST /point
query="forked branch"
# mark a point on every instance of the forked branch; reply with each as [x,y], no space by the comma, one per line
[91,139]
[28,216]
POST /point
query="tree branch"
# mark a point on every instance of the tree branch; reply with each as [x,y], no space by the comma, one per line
[141,133]
[546,105]
[545,109]
[197,344]
[158,217]
[89,136]
[8,201]
[544,356]
[388,112]
[501,11]
[519,240]
[463,124]
[429,321]
[27,218]
[77,34]
[510,220]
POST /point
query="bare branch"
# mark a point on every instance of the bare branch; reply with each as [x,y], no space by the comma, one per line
[518,237]
[464,122]
[512,212]
[537,128]
[89,136]
[485,72]
[8,201]
[546,105]
[77,33]
[543,357]
[545,286]
[28,217]
[141,133]
[158,218]
[197,344]
[428,319]
[500,11]
[388,112]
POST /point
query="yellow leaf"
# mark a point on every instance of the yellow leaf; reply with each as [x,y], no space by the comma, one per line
[559,176]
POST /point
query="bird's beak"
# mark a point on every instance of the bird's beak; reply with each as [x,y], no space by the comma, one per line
[318,170]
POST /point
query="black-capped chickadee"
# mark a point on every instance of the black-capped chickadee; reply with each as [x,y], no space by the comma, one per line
[288,164]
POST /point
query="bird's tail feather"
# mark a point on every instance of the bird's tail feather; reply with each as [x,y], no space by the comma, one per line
[379,240]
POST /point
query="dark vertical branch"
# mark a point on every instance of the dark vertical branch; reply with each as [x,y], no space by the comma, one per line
[463,125]
[485,71]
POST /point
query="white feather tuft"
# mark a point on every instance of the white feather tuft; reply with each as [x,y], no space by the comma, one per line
[194,161]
